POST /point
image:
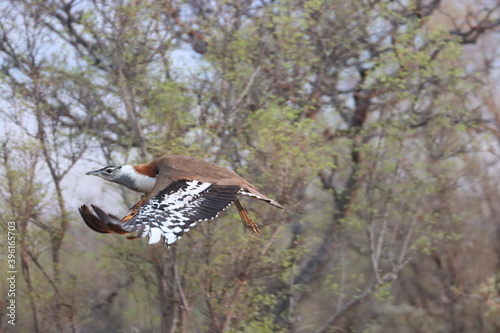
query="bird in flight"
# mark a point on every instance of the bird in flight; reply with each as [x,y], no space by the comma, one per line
[179,191]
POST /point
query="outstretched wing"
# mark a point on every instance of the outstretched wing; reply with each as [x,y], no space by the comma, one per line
[176,209]
[170,213]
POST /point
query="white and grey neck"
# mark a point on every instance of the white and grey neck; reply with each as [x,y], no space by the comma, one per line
[135,181]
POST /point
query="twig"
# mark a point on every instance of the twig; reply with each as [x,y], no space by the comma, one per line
[342,277]
[389,277]
[406,243]
[185,304]
[245,91]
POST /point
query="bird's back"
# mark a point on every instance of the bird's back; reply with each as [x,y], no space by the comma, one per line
[201,170]
[198,169]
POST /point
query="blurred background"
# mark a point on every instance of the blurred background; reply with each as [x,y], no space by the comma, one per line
[375,122]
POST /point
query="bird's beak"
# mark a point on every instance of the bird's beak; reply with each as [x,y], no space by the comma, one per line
[93,173]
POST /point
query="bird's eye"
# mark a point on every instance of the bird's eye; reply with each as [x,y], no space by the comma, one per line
[109,170]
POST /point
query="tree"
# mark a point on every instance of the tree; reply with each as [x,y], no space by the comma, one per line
[360,117]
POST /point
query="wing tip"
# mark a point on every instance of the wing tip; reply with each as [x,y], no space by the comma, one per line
[260,196]
[276,204]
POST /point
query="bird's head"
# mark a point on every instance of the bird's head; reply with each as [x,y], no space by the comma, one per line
[110,173]
[126,175]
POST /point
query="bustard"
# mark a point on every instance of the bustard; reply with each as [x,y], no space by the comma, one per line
[179,191]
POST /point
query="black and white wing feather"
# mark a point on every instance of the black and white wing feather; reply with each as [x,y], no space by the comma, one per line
[177,208]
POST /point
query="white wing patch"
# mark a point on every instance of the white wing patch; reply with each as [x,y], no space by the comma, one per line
[154,235]
[177,208]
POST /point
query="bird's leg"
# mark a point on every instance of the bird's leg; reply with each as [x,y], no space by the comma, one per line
[134,209]
[247,221]
[138,203]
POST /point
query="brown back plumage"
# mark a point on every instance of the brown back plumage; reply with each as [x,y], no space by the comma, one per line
[176,167]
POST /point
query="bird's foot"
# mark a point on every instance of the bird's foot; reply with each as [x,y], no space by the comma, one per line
[250,224]
[247,221]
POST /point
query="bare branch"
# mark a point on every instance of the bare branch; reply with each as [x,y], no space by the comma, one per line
[361,297]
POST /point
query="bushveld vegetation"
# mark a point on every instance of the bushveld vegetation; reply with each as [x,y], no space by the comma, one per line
[374,122]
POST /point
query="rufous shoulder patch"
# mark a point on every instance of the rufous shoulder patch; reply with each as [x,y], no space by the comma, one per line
[148,169]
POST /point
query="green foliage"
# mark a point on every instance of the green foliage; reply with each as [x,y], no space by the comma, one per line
[354,115]
[287,149]
[383,293]
[25,194]
[261,325]
[168,119]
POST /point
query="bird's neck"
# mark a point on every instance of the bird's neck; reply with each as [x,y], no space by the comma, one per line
[137,178]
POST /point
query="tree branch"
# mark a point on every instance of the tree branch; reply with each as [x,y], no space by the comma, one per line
[361,297]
